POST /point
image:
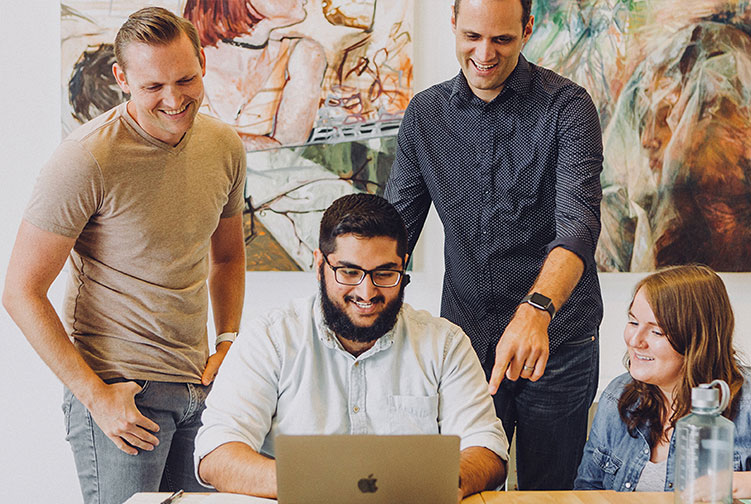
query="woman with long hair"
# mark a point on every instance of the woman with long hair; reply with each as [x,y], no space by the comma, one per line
[679,335]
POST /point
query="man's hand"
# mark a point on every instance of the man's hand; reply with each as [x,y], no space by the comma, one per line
[523,349]
[525,341]
[115,412]
[215,360]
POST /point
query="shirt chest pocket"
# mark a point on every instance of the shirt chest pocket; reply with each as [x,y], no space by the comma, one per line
[609,465]
[413,414]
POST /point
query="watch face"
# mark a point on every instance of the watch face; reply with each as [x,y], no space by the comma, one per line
[540,300]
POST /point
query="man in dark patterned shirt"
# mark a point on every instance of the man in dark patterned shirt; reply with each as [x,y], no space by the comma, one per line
[510,154]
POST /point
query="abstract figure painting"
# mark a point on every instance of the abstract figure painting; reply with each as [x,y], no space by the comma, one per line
[672,83]
[315,88]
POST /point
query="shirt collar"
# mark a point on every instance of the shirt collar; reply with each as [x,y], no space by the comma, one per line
[518,81]
[123,107]
[329,339]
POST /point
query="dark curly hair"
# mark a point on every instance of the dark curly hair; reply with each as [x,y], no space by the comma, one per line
[364,215]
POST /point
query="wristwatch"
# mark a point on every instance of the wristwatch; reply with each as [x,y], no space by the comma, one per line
[225,336]
[540,302]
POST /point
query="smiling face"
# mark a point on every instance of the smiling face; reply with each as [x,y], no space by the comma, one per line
[652,359]
[165,83]
[350,308]
[489,38]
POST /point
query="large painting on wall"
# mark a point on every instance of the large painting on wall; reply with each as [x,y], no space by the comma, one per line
[315,88]
[672,83]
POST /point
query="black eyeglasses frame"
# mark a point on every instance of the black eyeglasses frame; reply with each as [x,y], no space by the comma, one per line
[400,274]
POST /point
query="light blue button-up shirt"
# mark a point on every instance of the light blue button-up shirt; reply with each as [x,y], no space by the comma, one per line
[288,374]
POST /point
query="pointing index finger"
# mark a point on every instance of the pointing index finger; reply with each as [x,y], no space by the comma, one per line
[502,362]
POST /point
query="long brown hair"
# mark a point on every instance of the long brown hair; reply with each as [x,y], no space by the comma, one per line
[692,307]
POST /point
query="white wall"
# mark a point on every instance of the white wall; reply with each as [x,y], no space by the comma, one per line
[35,461]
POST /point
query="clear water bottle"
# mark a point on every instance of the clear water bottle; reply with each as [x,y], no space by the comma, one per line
[704,448]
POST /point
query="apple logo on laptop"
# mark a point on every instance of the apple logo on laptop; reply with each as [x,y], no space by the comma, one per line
[367,485]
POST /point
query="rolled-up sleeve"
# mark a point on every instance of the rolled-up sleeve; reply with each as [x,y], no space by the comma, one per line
[465,406]
[241,404]
[578,188]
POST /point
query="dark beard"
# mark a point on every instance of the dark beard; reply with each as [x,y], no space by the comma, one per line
[339,322]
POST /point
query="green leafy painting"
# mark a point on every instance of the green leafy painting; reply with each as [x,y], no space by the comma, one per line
[672,82]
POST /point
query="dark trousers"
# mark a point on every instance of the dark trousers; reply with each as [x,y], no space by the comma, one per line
[550,415]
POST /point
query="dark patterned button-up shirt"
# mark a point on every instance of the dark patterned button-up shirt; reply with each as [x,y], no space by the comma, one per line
[511,179]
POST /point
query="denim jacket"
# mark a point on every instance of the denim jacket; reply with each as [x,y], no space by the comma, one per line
[614,460]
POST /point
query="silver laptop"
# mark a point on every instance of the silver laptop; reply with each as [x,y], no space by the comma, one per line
[367,469]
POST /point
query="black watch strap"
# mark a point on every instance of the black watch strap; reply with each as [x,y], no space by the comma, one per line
[540,302]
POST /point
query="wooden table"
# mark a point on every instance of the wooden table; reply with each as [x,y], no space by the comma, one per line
[570,497]
[514,497]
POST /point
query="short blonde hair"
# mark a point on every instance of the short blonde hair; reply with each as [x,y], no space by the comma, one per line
[155,26]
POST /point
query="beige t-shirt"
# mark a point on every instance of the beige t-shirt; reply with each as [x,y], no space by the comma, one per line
[142,213]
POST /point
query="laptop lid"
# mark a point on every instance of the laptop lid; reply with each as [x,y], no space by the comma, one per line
[367,469]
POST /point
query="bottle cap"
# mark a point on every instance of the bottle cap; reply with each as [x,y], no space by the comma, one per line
[707,397]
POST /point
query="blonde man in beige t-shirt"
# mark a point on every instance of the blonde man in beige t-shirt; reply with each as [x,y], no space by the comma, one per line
[146,201]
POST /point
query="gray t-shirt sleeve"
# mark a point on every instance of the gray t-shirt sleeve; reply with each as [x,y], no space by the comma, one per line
[67,192]
[236,200]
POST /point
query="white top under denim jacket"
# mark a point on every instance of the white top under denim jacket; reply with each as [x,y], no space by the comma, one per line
[287,373]
[614,460]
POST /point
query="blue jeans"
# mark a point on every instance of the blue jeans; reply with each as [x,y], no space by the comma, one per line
[550,415]
[110,476]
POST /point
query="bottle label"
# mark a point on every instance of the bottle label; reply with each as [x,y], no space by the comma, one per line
[715,444]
